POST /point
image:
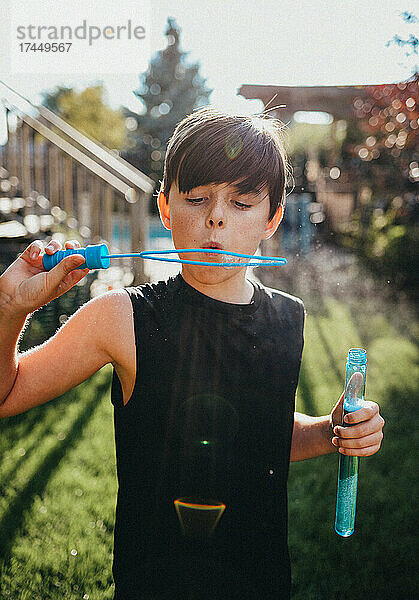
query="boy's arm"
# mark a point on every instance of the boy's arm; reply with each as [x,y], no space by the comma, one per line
[11,326]
[89,339]
[312,436]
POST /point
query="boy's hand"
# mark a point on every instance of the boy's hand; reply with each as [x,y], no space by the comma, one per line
[25,286]
[364,436]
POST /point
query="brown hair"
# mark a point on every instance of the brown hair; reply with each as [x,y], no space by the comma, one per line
[210,146]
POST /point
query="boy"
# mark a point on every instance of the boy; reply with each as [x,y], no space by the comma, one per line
[206,367]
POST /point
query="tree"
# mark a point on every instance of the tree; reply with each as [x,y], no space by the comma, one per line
[388,127]
[389,236]
[87,112]
[169,90]
[412,42]
[51,98]
[382,145]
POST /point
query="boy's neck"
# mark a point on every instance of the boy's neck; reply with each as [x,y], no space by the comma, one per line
[236,290]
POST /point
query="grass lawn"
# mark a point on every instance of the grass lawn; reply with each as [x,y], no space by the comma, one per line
[58,480]
[378,560]
[58,494]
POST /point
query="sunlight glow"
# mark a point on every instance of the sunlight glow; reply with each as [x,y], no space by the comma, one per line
[314,117]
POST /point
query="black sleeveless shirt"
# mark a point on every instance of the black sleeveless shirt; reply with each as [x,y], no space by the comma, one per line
[210,416]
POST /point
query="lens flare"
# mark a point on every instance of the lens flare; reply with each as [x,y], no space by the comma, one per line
[198,517]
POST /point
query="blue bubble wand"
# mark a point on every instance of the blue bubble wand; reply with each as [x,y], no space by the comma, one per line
[97,256]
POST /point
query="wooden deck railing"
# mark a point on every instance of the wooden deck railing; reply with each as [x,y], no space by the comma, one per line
[50,169]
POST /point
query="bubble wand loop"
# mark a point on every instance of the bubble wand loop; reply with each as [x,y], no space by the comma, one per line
[98,257]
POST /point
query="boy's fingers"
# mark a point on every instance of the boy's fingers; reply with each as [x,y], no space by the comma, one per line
[360,452]
[72,244]
[32,250]
[363,414]
[52,247]
[337,411]
[36,245]
[67,274]
[361,429]
[65,266]
[72,278]
[364,442]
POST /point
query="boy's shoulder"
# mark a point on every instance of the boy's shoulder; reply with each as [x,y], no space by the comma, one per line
[155,295]
[274,292]
[280,297]
[154,289]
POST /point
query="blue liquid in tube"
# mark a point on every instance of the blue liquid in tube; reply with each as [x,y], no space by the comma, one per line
[356,371]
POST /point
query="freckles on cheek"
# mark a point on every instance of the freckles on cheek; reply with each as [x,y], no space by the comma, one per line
[253,230]
[184,231]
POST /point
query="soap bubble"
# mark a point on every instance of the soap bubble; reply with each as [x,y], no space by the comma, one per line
[233,262]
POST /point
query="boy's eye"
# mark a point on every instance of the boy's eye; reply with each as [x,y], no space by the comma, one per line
[238,204]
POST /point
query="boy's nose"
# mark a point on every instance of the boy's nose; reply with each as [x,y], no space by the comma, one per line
[212,221]
[216,216]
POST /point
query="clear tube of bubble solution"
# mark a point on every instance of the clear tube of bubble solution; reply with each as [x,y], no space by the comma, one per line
[356,372]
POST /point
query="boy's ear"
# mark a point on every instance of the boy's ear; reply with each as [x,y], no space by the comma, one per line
[163,206]
[273,224]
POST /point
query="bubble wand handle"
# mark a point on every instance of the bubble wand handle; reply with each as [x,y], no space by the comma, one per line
[95,257]
[356,372]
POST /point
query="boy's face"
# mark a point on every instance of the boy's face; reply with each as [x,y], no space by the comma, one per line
[216,213]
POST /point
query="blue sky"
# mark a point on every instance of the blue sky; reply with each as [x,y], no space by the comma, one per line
[278,42]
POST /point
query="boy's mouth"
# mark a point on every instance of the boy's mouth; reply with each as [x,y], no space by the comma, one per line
[212,245]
